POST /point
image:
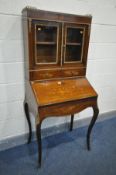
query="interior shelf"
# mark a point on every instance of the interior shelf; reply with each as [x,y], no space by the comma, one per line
[45,43]
[73,44]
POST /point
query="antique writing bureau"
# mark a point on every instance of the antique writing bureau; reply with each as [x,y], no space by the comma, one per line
[56,47]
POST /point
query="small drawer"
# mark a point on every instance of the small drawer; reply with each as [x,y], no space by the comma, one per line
[73,72]
[50,74]
[44,74]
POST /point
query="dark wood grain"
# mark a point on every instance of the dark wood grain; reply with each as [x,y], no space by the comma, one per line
[34,16]
[52,92]
[56,16]
[58,88]
[65,108]
[45,74]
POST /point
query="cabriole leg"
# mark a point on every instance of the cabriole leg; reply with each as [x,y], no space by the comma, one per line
[38,134]
[26,108]
[94,118]
[71,122]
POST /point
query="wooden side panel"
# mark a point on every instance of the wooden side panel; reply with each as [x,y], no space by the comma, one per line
[25,44]
[30,99]
[29,95]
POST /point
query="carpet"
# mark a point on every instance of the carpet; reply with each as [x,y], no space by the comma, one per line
[66,154]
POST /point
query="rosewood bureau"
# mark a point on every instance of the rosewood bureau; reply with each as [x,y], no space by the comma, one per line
[56,47]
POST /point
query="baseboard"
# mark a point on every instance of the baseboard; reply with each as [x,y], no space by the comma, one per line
[19,140]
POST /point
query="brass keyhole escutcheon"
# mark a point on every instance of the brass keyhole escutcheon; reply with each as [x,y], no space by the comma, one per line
[59,82]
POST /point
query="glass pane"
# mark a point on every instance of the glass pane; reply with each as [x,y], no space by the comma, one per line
[46,33]
[46,54]
[74,44]
[46,43]
[74,35]
[73,53]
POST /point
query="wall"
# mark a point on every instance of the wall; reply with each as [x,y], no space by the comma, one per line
[101,58]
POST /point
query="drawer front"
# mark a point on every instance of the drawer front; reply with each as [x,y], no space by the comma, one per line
[44,74]
[74,72]
[50,74]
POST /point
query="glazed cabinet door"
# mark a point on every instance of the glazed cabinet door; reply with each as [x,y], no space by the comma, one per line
[46,37]
[74,44]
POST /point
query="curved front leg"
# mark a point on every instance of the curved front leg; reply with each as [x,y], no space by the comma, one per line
[26,108]
[94,118]
[38,135]
[71,122]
